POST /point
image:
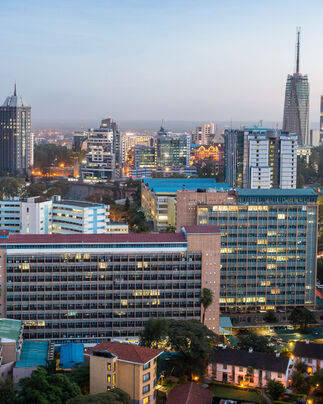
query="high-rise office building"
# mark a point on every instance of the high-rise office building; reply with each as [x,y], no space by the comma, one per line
[268,244]
[16,140]
[296,108]
[110,124]
[95,287]
[172,149]
[201,135]
[259,157]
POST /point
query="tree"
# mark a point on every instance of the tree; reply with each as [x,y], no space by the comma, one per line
[155,331]
[44,388]
[301,367]
[270,317]
[258,343]
[7,395]
[81,376]
[35,190]
[317,381]
[127,204]
[194,343]
[301,317]
[10,187]
[249,375]
[114,396]
[206,300]
[300,383]
[275,389]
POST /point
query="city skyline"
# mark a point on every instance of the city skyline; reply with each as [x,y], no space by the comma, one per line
[143,61]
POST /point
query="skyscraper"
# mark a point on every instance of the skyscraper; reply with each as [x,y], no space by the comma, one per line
[16,142]
[296,109]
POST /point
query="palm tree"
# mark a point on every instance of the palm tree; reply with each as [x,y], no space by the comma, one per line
[206,300]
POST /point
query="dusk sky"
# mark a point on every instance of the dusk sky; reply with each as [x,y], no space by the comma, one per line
[77,60]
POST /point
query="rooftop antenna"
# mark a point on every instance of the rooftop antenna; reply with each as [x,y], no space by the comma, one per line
[298,34]
[15,90]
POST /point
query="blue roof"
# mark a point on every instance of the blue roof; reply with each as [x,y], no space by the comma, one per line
[71,354]
[172,185]
[33,354]
[276,192]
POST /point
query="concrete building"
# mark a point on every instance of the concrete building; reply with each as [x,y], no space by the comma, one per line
[296,107]
[158,197]
[93,287]
[130,140]
[37,215]
[129,367]
[201,135]
[268,244]
[321,120]
[172,149]
[309,353]
[16,140]
[261,158]
[252,369]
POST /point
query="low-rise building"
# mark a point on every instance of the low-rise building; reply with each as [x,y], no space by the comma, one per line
[190,393]
[116,227]
[249,368]
[129,367]
[310,353]
[10,340]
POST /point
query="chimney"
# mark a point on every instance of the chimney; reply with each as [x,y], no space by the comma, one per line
[277,354]
[224,347]
[250,350]
[307,341]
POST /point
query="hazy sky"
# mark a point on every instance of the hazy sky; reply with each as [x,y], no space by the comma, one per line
[151,59]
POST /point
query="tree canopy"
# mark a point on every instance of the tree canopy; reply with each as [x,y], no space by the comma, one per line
[11,187]
[275,389]
[301,317]
[114,396]
[258,343]
[156,329]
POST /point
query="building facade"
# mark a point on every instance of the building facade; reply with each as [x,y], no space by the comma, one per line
[91,288]
[296,107]
[268,245]
[16,140]
[126,366]
[321,120]
[172,150]
[201,135]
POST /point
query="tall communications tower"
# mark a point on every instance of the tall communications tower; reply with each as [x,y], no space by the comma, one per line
[296,108]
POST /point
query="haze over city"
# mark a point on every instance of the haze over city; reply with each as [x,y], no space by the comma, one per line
[78,61]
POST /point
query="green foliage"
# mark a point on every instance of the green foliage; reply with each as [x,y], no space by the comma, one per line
[114,396]
[7,395]
[155,330]
[317,381]
[301,317]
[194,342]
[49,154]
[44,388]
[81,376]
[320,270]
[275,389]
[270,317]
[10,187]
[258,343]
[301,367]
[300,383]
[206,300]
[35,190]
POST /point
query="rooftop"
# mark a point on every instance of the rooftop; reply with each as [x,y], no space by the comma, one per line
[9,329]
[70,355]
[127,352]
[172,185]
[81,204]
[258,360]
[308,350]
[207,229]
[93,238]
[33,354]
[190,393]
[276,192]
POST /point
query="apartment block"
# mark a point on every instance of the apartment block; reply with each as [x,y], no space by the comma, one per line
[129,367]
[91,287]
[158,197]
[268,244]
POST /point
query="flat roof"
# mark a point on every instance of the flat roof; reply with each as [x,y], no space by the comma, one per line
[172,185]
[276,192]
[207,229]
[93,238]
[10,329]
[33,354]
[81,204]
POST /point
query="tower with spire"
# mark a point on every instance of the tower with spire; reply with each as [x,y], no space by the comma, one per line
[296,108]
[16,142]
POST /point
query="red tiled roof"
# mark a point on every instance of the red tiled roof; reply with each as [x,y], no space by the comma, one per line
[207,229]
[93,238]
[127,352]
[190,393]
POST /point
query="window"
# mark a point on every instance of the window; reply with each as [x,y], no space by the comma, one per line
[224,366]
[240,369]
[146,400]
[145,389]
[109,379]
[146,366]
[108,366]
[146,377]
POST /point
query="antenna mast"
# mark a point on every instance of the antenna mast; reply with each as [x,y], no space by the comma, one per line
[298,33]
